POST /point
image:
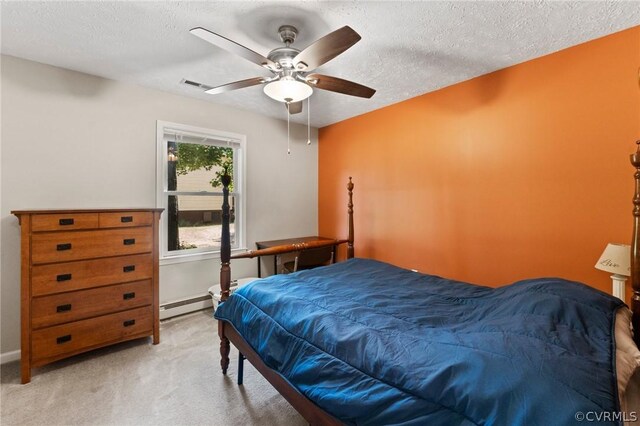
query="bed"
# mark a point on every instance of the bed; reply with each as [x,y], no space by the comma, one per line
[363,342]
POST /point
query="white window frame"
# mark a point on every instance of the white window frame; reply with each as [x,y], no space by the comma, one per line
[239,170]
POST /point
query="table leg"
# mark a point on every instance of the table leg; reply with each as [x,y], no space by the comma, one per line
[240,367]
[275,265]
[259,272]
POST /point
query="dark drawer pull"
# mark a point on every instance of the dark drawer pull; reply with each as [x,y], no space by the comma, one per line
[62,247]
[129,323]
[129,241]
[129,268]
[64,308]
[66,221]
[63,277]
[63,339]
[126,219]
[128,296]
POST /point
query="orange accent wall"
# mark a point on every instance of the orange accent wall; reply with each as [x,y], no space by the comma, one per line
[520,173]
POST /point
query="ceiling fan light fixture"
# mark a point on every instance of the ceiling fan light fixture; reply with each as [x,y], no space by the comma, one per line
[288,89]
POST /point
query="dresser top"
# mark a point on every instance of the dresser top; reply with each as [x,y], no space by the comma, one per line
[68,211]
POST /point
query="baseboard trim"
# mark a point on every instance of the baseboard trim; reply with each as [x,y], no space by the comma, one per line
[9,356]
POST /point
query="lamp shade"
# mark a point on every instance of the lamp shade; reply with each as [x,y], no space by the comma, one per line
[288,90]
[616,258]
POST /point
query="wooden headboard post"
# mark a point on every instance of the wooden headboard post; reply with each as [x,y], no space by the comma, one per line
[225,270]
[350,251]
[635,248]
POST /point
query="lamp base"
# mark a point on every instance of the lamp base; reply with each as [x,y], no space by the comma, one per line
[618,286]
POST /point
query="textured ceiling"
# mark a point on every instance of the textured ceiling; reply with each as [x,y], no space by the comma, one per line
[407,48]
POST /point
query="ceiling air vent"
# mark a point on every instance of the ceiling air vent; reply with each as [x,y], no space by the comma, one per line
[196,84]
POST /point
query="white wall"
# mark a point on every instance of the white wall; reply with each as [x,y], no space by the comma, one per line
[72,140]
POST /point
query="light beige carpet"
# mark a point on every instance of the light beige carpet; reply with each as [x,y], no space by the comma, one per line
[177,382]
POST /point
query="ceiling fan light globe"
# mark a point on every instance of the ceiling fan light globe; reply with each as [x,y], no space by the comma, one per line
[288,90]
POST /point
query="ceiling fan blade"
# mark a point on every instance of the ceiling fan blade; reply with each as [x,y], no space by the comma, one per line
[335,84]
[325,49]
[233,47]
[295,107]
[236,85]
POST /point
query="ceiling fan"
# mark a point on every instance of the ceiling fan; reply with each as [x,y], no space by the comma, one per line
[293,79]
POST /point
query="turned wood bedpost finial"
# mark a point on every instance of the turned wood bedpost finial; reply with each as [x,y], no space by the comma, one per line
[225,270]
[350,251]
[635,247]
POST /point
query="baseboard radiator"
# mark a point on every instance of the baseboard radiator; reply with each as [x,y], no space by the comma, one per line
[184,306]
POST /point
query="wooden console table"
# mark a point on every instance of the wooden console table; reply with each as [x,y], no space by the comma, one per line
[273,243]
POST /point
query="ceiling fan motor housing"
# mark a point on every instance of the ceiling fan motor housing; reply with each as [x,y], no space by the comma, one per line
[283,56]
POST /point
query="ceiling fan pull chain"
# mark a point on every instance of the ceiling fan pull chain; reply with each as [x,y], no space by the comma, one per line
[288,132]
[309,121]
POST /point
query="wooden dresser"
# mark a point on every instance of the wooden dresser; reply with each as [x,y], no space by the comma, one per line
[89,279]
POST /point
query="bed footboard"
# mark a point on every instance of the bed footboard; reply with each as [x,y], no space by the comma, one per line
[225,260]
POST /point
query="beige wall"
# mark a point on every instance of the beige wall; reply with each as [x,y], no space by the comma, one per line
[71,140]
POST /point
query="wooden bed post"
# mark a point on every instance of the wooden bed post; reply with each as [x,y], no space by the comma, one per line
[225,270]
[350,250]
[635,248]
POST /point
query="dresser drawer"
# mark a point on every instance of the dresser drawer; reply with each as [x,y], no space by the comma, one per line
[75,337]
[125,219]
[69,276]
[66,246]
[64,222]
[76,305]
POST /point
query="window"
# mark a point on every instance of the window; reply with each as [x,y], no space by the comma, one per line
[191,161]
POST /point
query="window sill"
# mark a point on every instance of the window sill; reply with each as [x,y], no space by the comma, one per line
[193,257]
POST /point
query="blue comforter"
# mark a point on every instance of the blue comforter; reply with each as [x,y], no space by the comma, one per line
[374,344]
